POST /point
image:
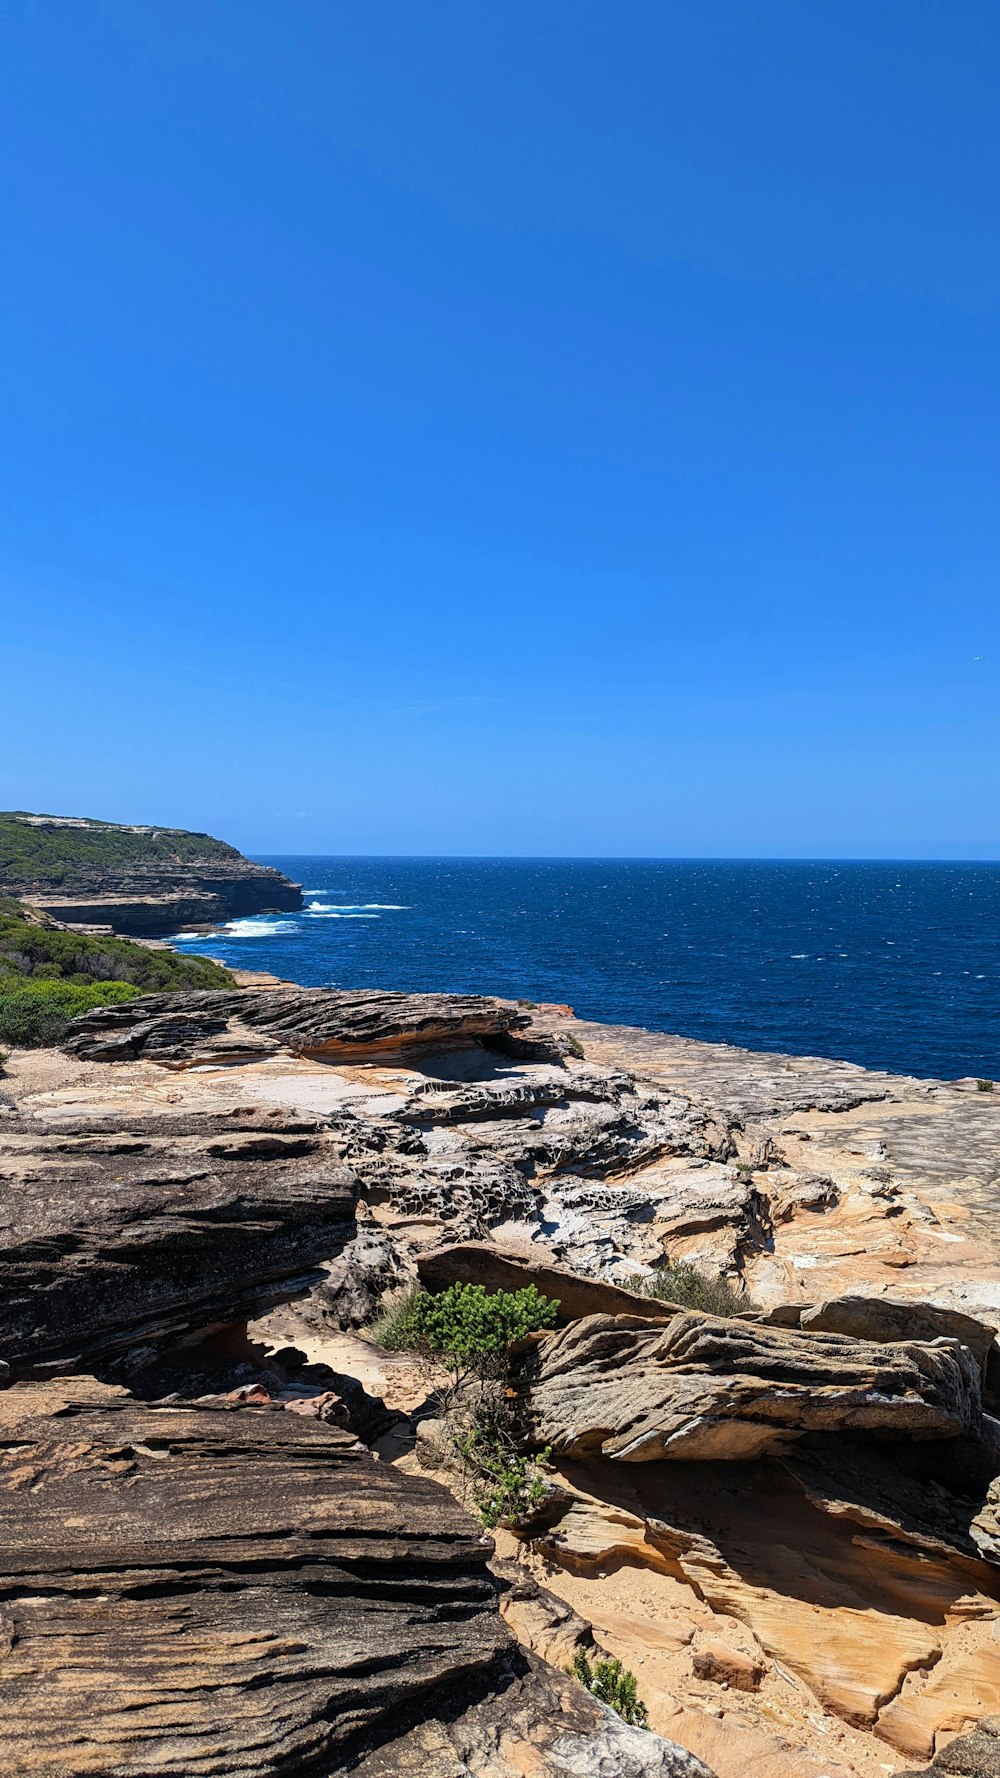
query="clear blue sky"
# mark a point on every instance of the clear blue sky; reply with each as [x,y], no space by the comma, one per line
[462,427]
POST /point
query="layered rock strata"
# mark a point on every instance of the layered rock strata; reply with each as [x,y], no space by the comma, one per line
[704,1387]
[121,1231]
[203,1027]
[264,1595]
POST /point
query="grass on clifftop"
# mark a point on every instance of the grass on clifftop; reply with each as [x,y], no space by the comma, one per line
[55,856]
[48,976]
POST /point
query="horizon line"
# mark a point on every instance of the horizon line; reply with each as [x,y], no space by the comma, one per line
[638,857]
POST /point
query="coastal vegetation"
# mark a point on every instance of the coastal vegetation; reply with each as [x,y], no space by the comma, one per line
[614,1685]
[471,1334]
[467,1329]
[50,975]
[691,1289]
[57,854]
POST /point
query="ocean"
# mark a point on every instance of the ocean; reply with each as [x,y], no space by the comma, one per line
[894,966]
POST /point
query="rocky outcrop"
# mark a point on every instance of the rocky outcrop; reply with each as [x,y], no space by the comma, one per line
[705,1387]
[133,879]
[121,1231]
[209,1593]
[855,1604]
[219,1563]
[855,1560]
[889,1319]
[187,1029]
[539,1724]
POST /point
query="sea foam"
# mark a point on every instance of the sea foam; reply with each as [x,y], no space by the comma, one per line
[258,926]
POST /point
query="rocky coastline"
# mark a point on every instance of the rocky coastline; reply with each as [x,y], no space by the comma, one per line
[135,880]
[235,1541]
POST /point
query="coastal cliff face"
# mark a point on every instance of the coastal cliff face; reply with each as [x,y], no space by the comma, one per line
[142,880]
[787,1523]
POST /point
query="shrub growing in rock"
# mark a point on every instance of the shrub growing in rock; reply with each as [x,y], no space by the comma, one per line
[690,1289]
[469,1333]
[614,1685]
[506,1485]
[466,1328]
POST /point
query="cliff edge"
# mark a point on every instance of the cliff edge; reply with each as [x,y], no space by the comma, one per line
[133,879]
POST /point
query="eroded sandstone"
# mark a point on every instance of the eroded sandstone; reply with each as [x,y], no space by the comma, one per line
[707,1387]
[857,1565]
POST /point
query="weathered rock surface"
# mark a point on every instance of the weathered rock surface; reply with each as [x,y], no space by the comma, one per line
[134,879]
[213,1593]
[117,1231]
[199,1027]
[728,1666]
[541,1724]
[208,1593]
[884,1627]
[889,1319]
[968,1756]
[476,1262]
[704,1387]
[860,1565]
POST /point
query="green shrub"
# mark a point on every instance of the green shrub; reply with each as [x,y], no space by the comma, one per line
[614,1685]
[690,1289]
[984,1086]
[465,1326]
[469,1333]
[505,1485]
[35,1011]
[55,954]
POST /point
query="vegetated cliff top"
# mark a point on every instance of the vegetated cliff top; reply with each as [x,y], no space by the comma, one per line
[50,974]
[61,850]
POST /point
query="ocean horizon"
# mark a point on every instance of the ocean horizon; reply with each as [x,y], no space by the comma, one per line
[890,964]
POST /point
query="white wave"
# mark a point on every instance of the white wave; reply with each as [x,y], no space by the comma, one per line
[178,936]
[257,927]
[356,907]
[335,914]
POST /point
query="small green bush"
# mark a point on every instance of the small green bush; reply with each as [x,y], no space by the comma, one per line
[690,1289]
[614,1685]
[36,1010]
[505,1485]
[468,1333]
[984,1086]
[465,1326]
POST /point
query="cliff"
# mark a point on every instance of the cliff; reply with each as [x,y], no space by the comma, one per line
[133,879]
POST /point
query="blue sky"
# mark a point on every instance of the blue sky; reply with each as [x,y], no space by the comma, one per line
[504,429]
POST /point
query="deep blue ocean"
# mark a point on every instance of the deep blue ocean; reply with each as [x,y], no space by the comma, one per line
[891,965]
